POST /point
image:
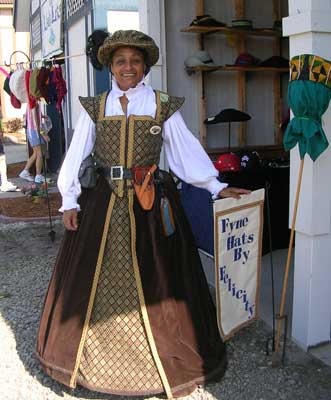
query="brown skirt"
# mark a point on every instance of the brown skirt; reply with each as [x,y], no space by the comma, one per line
[181,314]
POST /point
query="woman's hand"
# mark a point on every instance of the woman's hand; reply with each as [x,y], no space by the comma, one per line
[232,192]
[70,219]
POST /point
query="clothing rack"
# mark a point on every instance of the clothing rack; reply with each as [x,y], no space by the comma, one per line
[34,63]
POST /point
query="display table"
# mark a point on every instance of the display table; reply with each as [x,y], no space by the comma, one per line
[199,208]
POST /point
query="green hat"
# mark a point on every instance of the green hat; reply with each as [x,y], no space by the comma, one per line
[129,38]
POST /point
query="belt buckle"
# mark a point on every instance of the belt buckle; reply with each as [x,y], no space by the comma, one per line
[116,172]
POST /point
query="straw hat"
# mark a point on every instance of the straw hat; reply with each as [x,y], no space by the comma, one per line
[128,38]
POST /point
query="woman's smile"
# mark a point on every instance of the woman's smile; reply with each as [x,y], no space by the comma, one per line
[127,67]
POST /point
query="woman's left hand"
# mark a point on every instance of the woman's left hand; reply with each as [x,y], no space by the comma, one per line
[232,192]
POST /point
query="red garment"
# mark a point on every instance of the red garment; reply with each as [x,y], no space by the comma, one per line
[43,82]
[60,85]
[32,99]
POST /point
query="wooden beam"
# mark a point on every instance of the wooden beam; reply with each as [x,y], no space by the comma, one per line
[241,90]
[199,7]
[239,9]
[276,10]
[202,110]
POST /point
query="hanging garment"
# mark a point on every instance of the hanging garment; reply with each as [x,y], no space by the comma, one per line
[60,85]
[43,79]
[32,100]
[33,84]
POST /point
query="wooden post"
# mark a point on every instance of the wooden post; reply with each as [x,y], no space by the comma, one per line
[277,93]
[288,260]
[241,76]
[199,7]
[239,9]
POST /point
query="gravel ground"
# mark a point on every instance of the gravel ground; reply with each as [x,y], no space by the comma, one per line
[27,257]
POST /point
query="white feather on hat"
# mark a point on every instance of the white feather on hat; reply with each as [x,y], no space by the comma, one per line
[17,85]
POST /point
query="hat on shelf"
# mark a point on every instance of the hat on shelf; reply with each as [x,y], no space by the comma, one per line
[206,20]
[250,160]
[242,24]
[228,162]
[275,62]
[199,58]
[246,59]
[17,85]
[228,115]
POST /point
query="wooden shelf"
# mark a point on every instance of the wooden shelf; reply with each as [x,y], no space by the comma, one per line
[271,36]
[225,30]
[236,68]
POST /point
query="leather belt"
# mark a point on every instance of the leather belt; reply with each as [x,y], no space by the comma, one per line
[115,173]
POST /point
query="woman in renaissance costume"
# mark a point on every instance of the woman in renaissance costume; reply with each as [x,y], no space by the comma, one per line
[128,310]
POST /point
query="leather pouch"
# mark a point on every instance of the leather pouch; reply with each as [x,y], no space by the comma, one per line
[144,186]
[87,173]
[167,218]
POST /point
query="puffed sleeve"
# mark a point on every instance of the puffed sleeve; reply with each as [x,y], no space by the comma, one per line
[187,158]
[81,146]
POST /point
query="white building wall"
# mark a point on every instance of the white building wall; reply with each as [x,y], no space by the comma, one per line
[9,42]
[77,69]
[309,29]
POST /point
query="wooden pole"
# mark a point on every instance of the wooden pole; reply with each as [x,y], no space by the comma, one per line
[289,254]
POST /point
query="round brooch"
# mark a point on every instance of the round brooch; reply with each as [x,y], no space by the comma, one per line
[155,130]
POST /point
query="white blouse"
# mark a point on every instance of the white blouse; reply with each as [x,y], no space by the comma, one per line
[185,155]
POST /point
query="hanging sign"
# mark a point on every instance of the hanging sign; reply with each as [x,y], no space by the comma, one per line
[238,242]
[51,28]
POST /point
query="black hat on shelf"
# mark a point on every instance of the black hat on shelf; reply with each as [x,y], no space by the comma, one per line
[275,62]
[228,115]
[206,20]
[242,24]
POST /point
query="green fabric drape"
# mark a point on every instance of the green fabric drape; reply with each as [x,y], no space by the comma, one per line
[308,101]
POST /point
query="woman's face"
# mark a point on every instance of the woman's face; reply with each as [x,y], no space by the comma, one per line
[127,66]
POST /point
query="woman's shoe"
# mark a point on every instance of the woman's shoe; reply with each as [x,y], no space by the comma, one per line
[25,174]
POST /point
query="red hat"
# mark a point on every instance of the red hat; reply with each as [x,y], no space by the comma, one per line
[246,59]
[14,101]
[228,162]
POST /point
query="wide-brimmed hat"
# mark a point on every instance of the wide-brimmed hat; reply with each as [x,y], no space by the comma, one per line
[246,59]
[228,115]
[242,24]
[128,38]
[199,58]
[206,20]
[275,62]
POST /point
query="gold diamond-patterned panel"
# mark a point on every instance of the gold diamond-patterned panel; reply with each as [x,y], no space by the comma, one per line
[116,354]
[91,105]
[107,145]
[108,140]
[146,146]
[169,104]
[175,105]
